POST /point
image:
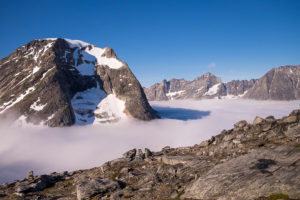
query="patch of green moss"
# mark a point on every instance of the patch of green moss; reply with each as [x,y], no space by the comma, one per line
[279,196]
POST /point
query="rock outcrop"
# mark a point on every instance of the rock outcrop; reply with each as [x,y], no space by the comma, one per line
[59,82]
[281,83]
[250,161]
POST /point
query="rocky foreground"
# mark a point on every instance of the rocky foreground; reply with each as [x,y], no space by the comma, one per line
[250,161]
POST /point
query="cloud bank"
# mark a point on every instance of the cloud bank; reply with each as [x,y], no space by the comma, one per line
[45,150]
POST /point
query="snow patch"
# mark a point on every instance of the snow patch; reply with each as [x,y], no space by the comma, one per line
[48,46]
[231,96]
[110,109]
[172,94]
[93,55]
[36,106]
[76,43]
[45,73]
[85,103]
[35,69]
[200,89]
[11,103]
[213,90]
[87,69]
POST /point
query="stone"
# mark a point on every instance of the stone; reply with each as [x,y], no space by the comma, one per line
[240,124]
[257,120]
[105,167]
[252,175]
[204,143]
[290,119]
[139,154]
[295,112]
[270,119]
[293,132]
[87,188]
[30,176]
[267,126]
[236,141]
[148,153]
[228,137]
[211,140]
[130,154]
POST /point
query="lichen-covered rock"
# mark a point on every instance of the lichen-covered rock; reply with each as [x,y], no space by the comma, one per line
[260,173]
[87,188]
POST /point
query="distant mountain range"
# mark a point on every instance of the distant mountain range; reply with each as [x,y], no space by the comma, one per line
[282,83]
[61,82]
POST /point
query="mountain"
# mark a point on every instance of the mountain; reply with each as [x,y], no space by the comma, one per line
[282,83]
[60,82]
[207,86]
[257,161]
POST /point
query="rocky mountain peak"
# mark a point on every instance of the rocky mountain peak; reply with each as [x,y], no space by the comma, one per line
[282,83]
[60,82]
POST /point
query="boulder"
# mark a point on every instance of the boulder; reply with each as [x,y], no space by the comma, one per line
[148,153]
[130,154]
[257,120]
[87,188]
[240,124]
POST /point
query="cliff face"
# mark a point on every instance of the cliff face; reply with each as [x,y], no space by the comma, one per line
[281,83]
[250,161]
[59,82]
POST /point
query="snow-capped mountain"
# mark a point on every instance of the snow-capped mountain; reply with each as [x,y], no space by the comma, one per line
[59,82]
[206,86]
[282,83]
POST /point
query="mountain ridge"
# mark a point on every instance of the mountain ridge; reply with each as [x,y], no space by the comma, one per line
[209,86]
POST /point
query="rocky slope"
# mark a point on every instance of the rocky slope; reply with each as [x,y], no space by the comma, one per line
[251,161]
[59,82]
[281,83]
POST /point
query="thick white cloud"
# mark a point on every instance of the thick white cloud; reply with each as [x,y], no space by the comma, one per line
[46,150]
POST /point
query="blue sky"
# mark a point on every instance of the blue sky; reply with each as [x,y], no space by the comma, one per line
[162,39]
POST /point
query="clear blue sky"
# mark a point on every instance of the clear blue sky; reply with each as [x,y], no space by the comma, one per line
[162,39]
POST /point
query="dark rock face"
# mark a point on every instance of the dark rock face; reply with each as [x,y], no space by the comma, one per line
[124,84]
[39,80]
[249,161]
[281,83]
[237,87]
[207,86]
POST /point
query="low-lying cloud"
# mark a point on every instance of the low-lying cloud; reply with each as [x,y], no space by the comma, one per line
[45,150]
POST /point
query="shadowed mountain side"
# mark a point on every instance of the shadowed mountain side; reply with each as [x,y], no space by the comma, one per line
[180,113]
